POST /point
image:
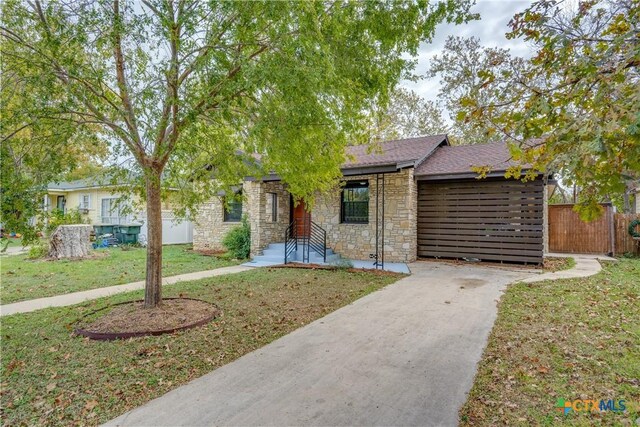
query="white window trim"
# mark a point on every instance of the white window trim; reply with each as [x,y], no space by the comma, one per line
[81,204]
[112,217]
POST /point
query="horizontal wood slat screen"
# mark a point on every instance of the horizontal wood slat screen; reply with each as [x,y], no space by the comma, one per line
[492,220]
[569,234]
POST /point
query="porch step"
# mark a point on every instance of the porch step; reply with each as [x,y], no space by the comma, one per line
[274,259]
[270,251]
[276,246]
[273,252]
[255,263]
[274,255]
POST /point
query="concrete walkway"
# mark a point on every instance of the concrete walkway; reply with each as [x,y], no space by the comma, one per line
[404,355]
[15,250]
[586,265]
[78,297]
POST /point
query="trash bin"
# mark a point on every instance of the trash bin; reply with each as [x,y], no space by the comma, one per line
[127,233]
[101,229]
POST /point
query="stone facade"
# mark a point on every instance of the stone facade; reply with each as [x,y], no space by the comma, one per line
[210,227]
[263,229]
[358,241]
[353,241]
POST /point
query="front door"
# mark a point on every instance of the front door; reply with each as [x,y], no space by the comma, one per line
[302,218]
[61,202]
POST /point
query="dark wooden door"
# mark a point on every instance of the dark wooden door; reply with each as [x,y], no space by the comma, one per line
[61,202]
[492,219]
[302,218]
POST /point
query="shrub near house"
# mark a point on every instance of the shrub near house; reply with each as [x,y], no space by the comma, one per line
[238,240]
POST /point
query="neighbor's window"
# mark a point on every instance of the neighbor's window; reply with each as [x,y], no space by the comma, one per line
[355,202]
[272,207]
[85,201]
[233,211]
[113,212]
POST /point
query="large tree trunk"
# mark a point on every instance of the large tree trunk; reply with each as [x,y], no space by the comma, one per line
[70,241]
[153,286]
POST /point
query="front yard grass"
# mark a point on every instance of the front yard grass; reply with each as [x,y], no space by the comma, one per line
[566,339]
[553,264]
[24,279]
[51,377]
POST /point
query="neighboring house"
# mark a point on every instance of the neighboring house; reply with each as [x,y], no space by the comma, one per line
[97,203]
[412,198]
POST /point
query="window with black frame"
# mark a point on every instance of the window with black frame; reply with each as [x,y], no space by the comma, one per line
[355,203]
[233,209]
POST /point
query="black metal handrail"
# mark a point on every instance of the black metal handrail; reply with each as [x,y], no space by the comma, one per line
[317,240]
[313,238]
[290,240]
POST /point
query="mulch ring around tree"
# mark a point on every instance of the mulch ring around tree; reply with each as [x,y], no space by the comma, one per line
[131,319]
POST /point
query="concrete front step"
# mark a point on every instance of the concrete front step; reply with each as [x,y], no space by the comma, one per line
[258,263]
[314,258]
[274,254]
[279,251]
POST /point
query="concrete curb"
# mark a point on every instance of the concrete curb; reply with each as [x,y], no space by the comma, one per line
[78,297]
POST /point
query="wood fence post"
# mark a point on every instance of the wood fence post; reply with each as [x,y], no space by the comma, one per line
[612,229]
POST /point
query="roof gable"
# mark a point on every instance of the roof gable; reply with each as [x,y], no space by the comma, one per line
[400,153]
[460,159]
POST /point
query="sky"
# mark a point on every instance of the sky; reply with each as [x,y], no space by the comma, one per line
[490,29]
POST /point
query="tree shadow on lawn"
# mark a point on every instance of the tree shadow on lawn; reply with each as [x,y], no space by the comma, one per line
[52,377]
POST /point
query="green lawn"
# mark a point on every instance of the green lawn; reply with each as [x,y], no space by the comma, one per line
[51,377]
[24,279]
[569,339]
[552,264]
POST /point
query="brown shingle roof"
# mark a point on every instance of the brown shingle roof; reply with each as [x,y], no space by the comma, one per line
[399,152]
[453,160]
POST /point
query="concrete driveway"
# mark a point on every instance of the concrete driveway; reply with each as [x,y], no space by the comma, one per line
[404,355]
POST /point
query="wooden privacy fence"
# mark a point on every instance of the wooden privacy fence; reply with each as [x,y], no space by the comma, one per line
[606,235]
[568,233]
[624,243]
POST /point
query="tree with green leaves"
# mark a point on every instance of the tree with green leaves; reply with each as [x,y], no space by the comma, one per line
[577,97]
[182,86]
[37,144]
[407,114]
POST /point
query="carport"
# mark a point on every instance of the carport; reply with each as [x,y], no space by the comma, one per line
[490,219]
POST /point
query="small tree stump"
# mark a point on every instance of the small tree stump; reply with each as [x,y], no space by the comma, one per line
[70,241]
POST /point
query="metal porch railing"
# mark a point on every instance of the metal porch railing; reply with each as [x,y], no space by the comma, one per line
[313,237]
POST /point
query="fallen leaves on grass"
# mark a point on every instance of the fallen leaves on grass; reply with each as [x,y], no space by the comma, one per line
[552,264]
[258,306]
[569,339]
